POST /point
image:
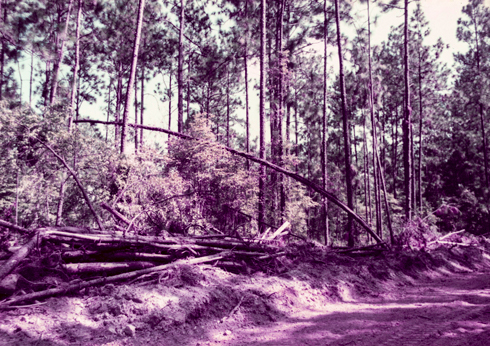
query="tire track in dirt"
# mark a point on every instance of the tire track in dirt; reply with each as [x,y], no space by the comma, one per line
[445,311]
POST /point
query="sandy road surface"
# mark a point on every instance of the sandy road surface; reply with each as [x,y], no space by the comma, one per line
[451,310]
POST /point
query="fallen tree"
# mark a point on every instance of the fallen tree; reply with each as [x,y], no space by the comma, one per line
[266,163]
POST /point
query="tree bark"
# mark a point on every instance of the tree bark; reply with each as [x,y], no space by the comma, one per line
[142,102]
[407,158]
[346,128]
[75,69]
[4,47]
[59,59]
[180,71]
[141,7]
[262,113]
[245,65]
[326,233]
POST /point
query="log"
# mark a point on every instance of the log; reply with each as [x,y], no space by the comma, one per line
[284,226]
[126,276]
[98,267]
[268,164]
[13,227]
[17,257]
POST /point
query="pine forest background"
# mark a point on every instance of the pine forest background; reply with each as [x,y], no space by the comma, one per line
[389,129]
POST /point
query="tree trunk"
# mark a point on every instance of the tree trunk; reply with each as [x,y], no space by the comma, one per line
[346,128]
[324,129]
[30,79]
[135,112]
[129,93]
[142,102]
[262,113]
[118,102]
[170,99]
[180,71]
[59,59]
[377,195]
[4,47]
[228,107]
[108,110]
[77,65]
[245,65]
[407,158]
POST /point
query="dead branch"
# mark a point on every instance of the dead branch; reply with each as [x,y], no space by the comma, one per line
[114,212]
[16,258]
[126,276]
[85,196]
[97,267]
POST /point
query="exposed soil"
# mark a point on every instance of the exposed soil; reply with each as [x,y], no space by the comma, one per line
[441,298]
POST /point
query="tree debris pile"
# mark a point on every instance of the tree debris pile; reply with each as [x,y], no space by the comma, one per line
[57,261]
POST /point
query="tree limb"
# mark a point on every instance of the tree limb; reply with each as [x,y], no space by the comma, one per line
[85,196]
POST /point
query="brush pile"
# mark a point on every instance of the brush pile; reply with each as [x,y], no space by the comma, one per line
[56,261]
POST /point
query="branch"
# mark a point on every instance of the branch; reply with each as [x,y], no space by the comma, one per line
[85,196]
[268,164]
[125,276]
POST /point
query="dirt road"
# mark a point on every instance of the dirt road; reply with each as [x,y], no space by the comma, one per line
[451,310]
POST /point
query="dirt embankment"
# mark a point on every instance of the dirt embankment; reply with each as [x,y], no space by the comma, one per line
[412,298]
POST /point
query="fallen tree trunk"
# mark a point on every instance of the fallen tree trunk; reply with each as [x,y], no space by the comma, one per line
[114,212]
[85,196]
[13,227]
[126,276]
[268,164]
[16,258]
[98,267]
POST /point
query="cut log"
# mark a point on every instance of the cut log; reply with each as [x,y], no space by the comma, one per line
[126,276]
[97,267]
[284,226]
[17,257]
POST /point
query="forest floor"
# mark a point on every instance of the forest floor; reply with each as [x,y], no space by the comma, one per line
[406,298]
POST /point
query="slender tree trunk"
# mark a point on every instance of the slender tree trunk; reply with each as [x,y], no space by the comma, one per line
[77,64]
[4,48]
[108,110]
[129,93]
[262,112]
[136,112]
[118,102]
[189,87]
[367,187]
[326,233]
[346,128]
[245,65]
[142,103]
[395,153]
[170,100]
[30,79]
[407,157]
[59,59]
[180,71]
[16,192]
[228,107]
[47,74]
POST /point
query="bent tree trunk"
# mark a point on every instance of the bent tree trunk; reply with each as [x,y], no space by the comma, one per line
[263,163]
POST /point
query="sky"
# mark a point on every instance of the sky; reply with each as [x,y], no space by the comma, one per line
[441,14]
